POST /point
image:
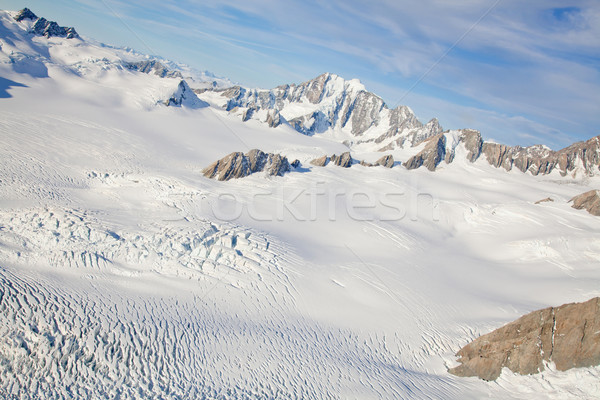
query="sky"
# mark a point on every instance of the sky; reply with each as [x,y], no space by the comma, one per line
[521,72]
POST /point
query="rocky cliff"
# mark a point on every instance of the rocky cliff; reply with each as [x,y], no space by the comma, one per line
[443,147]
[239,165]
[589,201]
[579,159]
[568,335]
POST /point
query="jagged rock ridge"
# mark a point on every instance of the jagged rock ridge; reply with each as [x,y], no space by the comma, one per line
[239,165]
[583,156]
[43,27]
[442,147]
[568,335]
[345,160]
[331,102]
[579,158]
[385,161]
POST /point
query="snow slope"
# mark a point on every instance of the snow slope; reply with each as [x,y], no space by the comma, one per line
[124,272]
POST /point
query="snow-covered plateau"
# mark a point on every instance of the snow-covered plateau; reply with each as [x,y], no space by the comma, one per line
[125,273]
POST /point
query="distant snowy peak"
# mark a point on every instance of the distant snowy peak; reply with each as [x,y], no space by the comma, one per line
[152,66]
[329,103]
[25,13]
[43,27]
[185,96]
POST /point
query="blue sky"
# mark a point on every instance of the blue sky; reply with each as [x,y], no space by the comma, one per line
[520,72]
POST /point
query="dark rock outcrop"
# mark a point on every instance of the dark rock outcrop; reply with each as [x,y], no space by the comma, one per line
[473,143]
[152,66]
[386,161]
[239,165]
[344,160]
[320,161]
[568,335]
[589,201]
[25,13]
[43,27]
[546,200]
[274,119]
[437,149]
[433,153]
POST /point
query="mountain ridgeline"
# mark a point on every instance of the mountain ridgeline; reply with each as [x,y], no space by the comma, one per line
[581,158]
[328,105]
[331,103]
[43,27]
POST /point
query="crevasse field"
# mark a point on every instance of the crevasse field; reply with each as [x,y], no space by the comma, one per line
[127,274]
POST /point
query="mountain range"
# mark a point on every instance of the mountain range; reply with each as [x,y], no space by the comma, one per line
[333,107]
[166,233]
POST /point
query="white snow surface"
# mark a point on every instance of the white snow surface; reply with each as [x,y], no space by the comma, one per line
[125,273]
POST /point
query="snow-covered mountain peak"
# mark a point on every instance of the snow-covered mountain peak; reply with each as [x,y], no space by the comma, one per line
[185,96]
[25,13]
[332,106]
[41,26]
[126,273]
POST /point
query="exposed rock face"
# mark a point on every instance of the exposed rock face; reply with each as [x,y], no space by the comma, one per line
[25,13]
[239,165]
[344,160]
[546,200]
[386,161]
[497,155]
[47,28]
[433,153]
[153,66]
[473,143]
[589,201]
[321,161]
[338,103]
[568,335]
[185,96]
[43,27]
[274,119]
[581,157]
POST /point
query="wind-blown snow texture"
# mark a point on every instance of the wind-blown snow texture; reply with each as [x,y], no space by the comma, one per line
[125,272]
